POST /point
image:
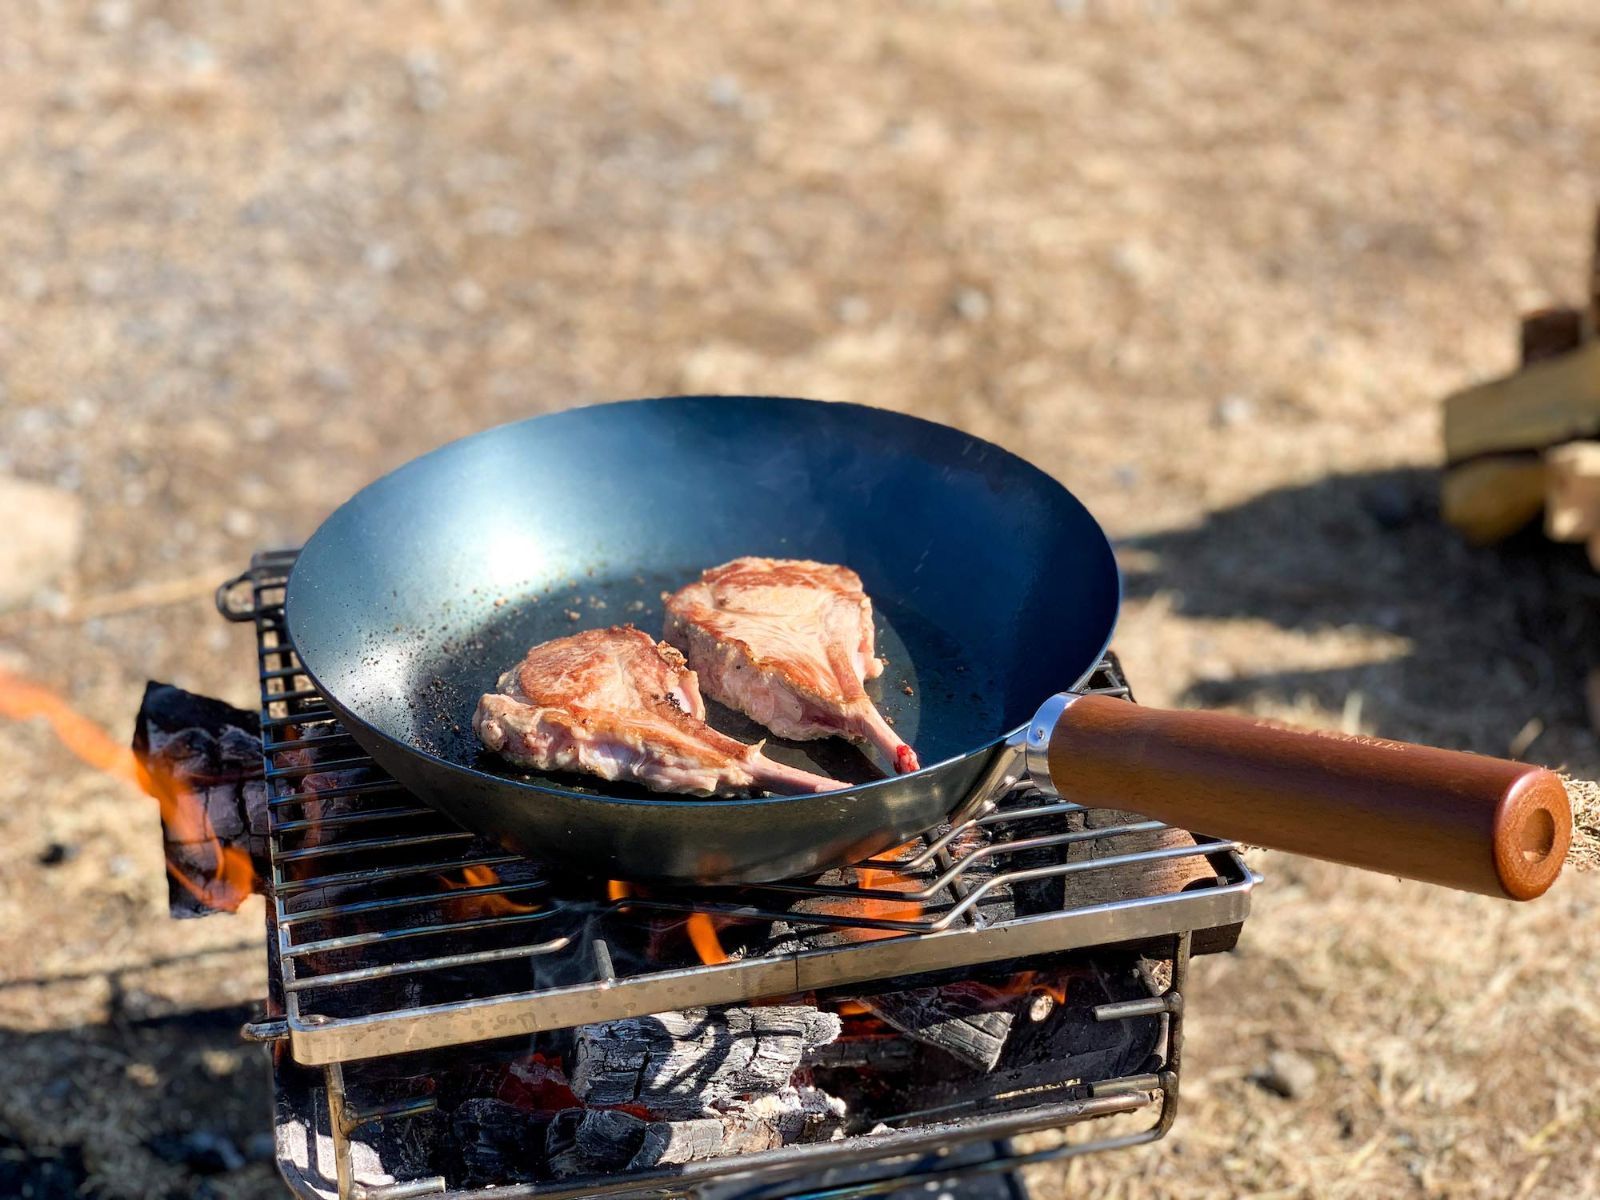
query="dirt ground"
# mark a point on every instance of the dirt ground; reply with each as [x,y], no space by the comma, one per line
[1211,264]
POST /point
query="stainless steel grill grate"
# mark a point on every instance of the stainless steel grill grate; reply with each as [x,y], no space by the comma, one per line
[370,886]
[395,931]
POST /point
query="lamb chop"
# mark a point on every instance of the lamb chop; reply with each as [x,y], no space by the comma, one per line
[617,704]
[789,644]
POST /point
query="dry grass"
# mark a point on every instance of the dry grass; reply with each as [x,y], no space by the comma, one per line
[1212,267]
[1585,797]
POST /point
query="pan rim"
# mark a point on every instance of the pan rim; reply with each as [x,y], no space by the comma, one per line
[671,800]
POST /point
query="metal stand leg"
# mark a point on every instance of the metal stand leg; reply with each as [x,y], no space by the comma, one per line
[344,1119]
[340,1130]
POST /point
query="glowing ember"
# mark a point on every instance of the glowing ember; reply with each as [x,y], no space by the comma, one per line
[232,876]
[537,1084]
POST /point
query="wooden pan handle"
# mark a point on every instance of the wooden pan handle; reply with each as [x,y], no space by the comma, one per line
[1440,816]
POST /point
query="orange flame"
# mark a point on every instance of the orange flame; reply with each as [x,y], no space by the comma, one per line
[986,995]
[703,935]
[182,813]
[487,905]
[878,908]
[1037,983]
[700,927]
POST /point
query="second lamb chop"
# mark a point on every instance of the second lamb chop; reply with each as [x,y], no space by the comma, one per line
[618,704]
[789,643]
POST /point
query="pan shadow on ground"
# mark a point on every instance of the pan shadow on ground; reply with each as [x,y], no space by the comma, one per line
[1493,637]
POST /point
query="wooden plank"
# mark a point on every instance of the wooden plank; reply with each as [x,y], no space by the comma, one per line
[1489,499]
[1594,277]
[1572,492]
[1545,404]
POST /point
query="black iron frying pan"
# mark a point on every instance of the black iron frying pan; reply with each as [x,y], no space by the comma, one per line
[993,588]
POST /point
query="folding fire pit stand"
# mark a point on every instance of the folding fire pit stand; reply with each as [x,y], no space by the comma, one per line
[392,934]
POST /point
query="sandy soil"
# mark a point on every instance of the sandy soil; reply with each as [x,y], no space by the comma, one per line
[1210,264]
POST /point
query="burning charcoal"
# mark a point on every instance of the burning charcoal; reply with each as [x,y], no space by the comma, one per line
[870,1053]
[678,1064]
[717,1082]
[588,1141]
[965,1022]
[534,1083]
[317,806]
[668,1142]
[497,1142]
[1056,1056]
[787,1116]
[167,711]
[256,796]
[240,748]
[595,1141]
[202,762]
[412,1146]
[225,809]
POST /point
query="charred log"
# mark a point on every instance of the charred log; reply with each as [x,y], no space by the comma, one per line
[202,760]
[592,1141]
[708,1083]
[877,1054]
[795,934]
[967,1022]
[1054,1057]
[679,1064]
[582,1141]
[787,1116]
[667,1142]
[496,1142]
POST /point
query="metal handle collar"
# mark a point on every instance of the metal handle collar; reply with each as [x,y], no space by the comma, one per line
[1036,743]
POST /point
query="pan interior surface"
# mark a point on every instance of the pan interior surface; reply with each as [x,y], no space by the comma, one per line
[925,667]
[991,585]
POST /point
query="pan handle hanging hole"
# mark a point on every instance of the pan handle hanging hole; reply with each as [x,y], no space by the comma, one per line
[1538,836]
